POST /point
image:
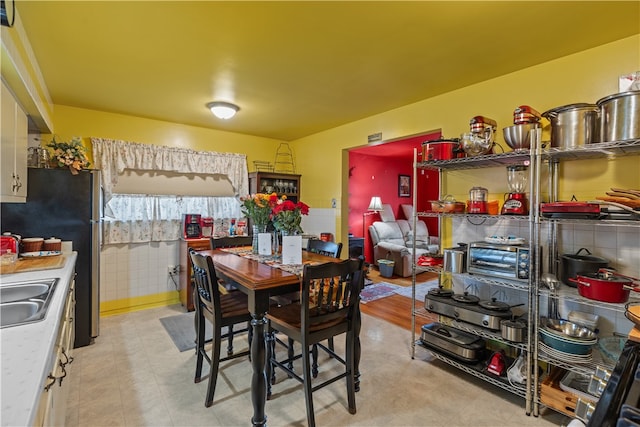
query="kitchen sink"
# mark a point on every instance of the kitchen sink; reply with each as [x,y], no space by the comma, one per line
[25,302]
[22,292]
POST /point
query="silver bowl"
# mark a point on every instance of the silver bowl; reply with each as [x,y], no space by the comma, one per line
[570,330]
[517,136]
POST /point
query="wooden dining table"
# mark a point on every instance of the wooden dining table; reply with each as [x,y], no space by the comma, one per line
[260,281]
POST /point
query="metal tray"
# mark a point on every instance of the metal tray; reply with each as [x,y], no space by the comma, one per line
[454,342]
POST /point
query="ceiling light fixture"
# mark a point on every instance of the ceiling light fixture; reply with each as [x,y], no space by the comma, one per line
[223,110]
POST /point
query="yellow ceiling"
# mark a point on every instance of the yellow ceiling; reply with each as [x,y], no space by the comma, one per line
[297,68]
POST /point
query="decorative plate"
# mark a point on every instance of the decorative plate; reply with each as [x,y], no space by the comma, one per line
[504,240]
[40,254]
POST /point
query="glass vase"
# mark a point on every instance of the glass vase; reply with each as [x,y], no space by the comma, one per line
[277,240]
[255,230]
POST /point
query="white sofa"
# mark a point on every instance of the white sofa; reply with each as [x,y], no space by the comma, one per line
[393,240]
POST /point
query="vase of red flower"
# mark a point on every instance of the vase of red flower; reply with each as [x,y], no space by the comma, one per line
[287,215]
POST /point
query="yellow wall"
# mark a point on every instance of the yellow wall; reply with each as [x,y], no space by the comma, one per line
[583,77]
[71,122]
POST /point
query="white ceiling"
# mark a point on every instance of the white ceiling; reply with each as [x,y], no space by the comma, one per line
[297,68]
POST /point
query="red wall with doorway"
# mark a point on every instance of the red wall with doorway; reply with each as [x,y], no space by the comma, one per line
[378,176]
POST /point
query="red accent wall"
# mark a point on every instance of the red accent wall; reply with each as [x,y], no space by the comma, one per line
[378,176]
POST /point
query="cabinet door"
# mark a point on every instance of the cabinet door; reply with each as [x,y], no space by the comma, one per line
[20,157]
[7,142]
[13,145]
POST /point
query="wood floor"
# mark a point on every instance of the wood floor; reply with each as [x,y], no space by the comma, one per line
[396,309]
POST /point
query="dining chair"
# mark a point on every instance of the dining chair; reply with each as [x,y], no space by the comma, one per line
[328,307]
[322,247]
[230,241]
[219,309]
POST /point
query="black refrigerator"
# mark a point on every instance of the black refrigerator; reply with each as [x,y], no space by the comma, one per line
[60,204]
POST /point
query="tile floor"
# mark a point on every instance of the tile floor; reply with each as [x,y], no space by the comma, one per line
[134,376]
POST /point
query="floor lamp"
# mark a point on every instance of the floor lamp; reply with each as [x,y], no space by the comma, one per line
[375,206]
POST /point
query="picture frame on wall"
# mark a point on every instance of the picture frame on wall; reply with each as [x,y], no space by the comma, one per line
[404,186]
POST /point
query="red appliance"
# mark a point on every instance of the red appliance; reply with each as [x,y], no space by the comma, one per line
[192,226]
[478,200]
[571,210]
[442,149]
[497,364]
[525,114]
[516,202]
[480,124]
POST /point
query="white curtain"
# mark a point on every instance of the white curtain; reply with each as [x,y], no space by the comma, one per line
[113,157]
[135,218]
[140,218]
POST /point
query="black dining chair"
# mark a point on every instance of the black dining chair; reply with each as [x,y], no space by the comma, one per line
[322,247]
[220,310]
[230,241]
[328,307]
[331,249]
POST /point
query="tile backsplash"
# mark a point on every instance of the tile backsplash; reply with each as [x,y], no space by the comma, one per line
[137,270]
[618,244]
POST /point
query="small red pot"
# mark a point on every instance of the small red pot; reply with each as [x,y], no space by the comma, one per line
[605,286]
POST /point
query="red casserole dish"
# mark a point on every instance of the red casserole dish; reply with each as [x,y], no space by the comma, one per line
[605,286]
[574,210]
[442,149]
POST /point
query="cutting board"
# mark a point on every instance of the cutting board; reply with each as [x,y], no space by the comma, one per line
[634,335]
[33,264]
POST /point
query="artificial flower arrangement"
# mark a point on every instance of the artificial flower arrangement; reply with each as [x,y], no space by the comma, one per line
[288,215]
[70,154]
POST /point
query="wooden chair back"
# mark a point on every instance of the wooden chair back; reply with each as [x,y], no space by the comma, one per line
[204,274]
[331,249]
[330,293]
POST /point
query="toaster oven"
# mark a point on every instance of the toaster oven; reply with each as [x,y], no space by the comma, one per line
[504,261]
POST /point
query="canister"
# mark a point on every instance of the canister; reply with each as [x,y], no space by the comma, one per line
[455,260]
[620,116]
[573,125]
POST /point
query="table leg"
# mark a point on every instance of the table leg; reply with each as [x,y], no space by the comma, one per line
[259,379]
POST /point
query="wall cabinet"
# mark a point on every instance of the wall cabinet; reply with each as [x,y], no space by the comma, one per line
[13,145]
[280,183]
[52,408]
[186,287]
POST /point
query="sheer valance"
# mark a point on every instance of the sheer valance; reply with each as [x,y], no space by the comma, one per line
[113,157]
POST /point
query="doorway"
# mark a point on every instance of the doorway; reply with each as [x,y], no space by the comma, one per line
[381,170]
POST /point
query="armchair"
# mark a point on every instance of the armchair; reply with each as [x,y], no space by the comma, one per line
[393,240]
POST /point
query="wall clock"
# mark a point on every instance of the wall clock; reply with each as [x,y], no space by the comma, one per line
[7,12]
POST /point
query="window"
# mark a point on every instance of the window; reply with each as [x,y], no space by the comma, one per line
[155,217]
[136,218]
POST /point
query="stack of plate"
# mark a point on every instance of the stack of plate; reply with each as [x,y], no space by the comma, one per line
[567,357]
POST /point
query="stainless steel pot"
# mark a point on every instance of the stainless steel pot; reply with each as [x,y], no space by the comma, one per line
[455,259]
[573,125]
[513,330]
[620,116]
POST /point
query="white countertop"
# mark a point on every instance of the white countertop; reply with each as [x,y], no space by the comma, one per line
[26,351]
